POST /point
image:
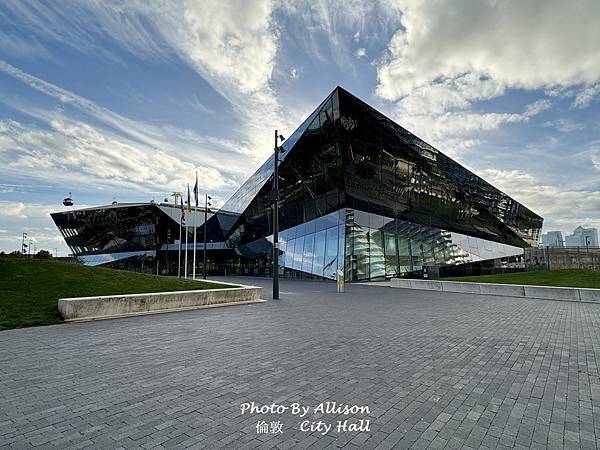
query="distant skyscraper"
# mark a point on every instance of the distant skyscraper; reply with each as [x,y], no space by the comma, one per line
[583,237]
[552,239]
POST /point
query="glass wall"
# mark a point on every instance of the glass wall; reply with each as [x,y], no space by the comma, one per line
[239,201]
[111,229]
[315,247]
[391,172]
[379,247]
[310,185]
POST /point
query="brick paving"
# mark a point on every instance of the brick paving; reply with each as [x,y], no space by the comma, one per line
[436,370]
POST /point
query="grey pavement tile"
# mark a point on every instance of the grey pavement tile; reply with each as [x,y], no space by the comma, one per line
[437,370]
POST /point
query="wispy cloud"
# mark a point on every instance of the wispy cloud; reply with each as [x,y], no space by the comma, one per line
[33,218]
[341,25]
[231,45]
[450,130]
[75,153]
[155,155]
[564,125]
[562,207]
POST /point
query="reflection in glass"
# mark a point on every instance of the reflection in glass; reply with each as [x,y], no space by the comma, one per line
[298,253]
[307,260]
[319,253]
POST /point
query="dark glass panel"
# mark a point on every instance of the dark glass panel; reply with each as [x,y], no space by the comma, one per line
[376,254]
[298,253]
[336,107]
[331,251]
[307,260]
[318,263]
[311,226]
[289,257]
[341,246]
[391,172]
[116,228]
[391,257]
[310,185]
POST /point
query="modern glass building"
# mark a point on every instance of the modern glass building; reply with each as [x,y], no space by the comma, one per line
[358,193]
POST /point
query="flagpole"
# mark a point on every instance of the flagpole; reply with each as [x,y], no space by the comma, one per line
[180,226]
[186,237]
[185,253]
[205,220]
[189,208]
[195,220]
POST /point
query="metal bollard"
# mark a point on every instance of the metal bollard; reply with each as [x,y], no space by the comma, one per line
[340,281]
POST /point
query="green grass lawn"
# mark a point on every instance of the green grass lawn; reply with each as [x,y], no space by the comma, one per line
[30,289]
[580,278]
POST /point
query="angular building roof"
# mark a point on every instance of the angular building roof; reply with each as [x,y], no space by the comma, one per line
[375,164]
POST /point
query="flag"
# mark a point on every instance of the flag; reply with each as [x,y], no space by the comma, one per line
[189,201]
[196,190]
[182,209]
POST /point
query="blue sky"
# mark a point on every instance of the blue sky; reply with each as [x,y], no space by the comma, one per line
[126,100]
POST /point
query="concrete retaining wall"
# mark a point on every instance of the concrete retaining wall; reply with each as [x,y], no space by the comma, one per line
[103,307]
[508,290]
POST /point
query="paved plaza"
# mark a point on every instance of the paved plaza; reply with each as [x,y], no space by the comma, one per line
[433,369]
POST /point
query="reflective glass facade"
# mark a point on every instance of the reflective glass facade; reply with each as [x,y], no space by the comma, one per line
[406,205]
[391,172]
[111,229]
[358,193]
[142,236]
[380,247]
[315,247]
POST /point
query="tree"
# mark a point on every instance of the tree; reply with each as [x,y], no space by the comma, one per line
[43,254]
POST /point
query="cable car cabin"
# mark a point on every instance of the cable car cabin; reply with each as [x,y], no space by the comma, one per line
[68,201]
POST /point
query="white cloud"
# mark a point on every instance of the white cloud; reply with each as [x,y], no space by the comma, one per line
[361,53]
[450,54]
[445,129]
[533,109]
[230,41]
[232,45]
[562,207]
[341,25]
[16,209]
[564,125]
[594,152]
[33,218]
[134,155]
[73,152]
[514,43]
[584,98]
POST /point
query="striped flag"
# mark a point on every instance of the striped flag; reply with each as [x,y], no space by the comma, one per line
[189,201]
[196,190]
[182,209]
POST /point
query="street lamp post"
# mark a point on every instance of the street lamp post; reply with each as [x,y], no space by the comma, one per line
[206,205]
[275,203]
